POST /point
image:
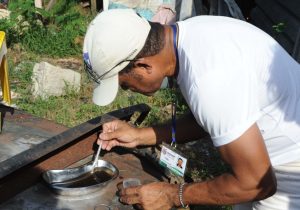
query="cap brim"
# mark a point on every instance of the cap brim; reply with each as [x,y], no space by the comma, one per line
[107,91]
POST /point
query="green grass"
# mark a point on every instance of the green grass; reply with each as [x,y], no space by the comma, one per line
[75,108]
[57,33]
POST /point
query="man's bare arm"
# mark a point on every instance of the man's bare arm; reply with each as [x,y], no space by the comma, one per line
[187,129]
[252,177]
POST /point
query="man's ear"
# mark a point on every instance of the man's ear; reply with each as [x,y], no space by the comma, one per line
[144,63]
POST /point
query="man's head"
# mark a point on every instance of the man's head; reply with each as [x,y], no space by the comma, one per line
[179,162]
[145,73]
[116,47]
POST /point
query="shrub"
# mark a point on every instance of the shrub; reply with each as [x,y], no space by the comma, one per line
[55,33]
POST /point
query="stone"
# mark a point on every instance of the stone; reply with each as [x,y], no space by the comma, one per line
[49,80]
[4,13]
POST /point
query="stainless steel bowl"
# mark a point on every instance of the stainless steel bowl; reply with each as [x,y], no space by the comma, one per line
[81,180]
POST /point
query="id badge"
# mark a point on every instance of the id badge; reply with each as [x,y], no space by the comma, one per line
[172,159]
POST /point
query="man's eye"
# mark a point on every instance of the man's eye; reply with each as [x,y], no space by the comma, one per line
[124,86]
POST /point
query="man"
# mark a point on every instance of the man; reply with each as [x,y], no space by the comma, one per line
[242,88]
[179,163]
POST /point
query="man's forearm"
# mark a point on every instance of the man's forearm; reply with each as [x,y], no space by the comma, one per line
[187,129]
[224,190]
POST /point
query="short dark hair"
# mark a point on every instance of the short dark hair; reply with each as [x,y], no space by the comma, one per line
[155,42]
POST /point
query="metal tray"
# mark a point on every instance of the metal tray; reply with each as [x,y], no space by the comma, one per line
[81,180]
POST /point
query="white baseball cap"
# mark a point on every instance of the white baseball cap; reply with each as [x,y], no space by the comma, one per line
[112,40]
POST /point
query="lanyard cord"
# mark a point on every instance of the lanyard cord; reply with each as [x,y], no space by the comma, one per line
[173,143]
[174,29]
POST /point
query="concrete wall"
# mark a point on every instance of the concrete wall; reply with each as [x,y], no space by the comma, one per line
[283,15]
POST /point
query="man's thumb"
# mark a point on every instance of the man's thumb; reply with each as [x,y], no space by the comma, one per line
[109,135]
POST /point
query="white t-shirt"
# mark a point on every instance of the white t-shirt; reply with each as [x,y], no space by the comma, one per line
[232,75]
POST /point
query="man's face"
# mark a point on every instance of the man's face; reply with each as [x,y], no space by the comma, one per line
[179,163]
[142,79]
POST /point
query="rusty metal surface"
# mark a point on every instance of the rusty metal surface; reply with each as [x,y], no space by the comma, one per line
[40,197]
[27,176]
[21,145]
[22,131]
[30,145]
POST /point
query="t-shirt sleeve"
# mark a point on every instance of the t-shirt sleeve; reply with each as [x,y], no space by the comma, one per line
[228,103]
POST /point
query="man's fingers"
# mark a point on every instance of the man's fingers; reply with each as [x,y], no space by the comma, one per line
[132,199]
[111,126]
[104,144]
[111,144]
[129,191]
[109,135]
[120,186]
[115,133]
[130,195]
[108,145]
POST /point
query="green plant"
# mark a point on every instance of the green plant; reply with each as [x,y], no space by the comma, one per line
[57,32]
[21,77]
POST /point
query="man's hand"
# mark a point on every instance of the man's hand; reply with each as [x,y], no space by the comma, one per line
[118,133]
[153,196]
